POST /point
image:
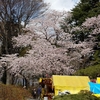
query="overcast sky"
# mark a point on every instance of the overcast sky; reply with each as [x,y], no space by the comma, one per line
[61,5]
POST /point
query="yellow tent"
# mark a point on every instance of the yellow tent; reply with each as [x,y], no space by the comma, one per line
[98,80]
[73,84]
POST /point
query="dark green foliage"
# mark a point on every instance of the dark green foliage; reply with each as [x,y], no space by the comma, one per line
[91,71]
[80,35]
[98,38]
[23,51]
[94,70]
[83,95]
[96,56]
[84,10]
[90,1]
[94,11]
[79,13]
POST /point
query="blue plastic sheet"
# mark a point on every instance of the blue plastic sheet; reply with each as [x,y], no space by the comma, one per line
[94,87]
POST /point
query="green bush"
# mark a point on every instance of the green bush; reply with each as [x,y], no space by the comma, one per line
[96,57]
[84,95]
[91,71]
[23,51]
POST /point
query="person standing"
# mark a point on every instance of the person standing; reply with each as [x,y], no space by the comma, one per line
[39,90]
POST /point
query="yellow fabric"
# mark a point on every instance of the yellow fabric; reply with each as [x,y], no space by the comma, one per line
[40,80]
[97,95]
[98,80]
[71,83]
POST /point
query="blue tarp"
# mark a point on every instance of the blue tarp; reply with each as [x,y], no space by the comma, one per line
[94,87]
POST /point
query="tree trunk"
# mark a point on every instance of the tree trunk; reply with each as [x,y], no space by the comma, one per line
[8,78]
[4,76]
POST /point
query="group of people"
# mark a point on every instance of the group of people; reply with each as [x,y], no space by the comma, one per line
[43,89]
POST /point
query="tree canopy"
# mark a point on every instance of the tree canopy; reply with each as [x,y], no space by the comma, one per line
[83,10]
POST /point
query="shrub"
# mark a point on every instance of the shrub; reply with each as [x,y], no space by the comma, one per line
[83,95]
[8,92]
[23,51]
[91,71]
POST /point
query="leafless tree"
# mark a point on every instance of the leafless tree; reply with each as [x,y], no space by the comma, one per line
[12,14]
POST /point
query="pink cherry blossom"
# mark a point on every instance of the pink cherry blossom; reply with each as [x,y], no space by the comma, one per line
[43,57]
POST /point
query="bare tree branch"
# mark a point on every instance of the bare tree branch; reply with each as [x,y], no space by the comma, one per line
[13,13]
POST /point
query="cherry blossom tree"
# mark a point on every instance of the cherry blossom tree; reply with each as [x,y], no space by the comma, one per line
[41,59]
[48,25]
[93,24]
[44,58]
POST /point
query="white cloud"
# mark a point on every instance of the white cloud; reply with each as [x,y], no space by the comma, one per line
[61,4]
